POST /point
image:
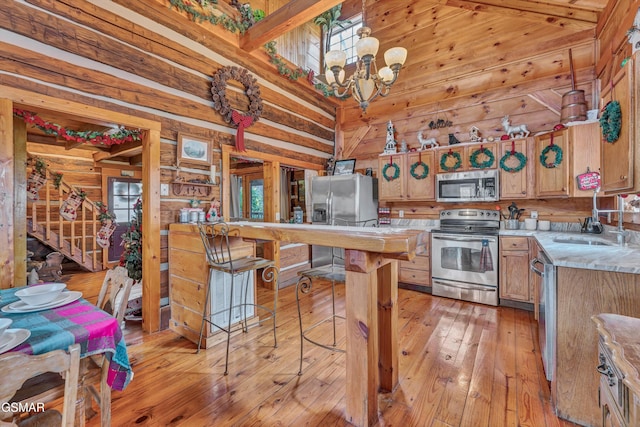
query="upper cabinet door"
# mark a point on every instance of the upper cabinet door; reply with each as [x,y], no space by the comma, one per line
[392,177]
[552,178]
[421,175]
[618,157]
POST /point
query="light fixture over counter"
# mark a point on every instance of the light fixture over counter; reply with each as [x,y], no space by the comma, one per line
[367,82]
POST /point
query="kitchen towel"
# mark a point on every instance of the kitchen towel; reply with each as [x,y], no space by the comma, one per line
[486,262]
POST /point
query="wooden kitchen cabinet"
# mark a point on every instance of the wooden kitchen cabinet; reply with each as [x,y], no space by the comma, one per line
[405,187]
[620,160]
[514,269]
[417,272]
[392,189]
[517,185]
[465,152]
[580,152]
[420,189]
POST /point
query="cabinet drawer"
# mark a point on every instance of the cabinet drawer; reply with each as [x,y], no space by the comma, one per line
[514,244]
[416,277]
[420,262]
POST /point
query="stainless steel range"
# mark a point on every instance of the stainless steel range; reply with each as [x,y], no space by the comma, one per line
[464,255]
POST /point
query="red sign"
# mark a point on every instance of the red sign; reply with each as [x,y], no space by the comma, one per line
[588,181]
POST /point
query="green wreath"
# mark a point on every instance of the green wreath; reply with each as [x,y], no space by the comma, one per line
[543,156]
[425,170]
[396,172]
[519,156]
[443,161]
[611,121]
[473,158]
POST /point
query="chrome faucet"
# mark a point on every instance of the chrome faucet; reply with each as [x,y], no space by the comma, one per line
[621,233]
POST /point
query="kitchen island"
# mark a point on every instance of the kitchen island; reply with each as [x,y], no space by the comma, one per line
[371,262]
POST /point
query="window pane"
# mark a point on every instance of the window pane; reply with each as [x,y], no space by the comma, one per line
[257,199]
[345,39]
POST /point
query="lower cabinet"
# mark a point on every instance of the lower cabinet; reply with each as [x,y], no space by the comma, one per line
[417,272]
[514,269]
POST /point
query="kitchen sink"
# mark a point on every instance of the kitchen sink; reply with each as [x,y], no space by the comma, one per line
[576,241]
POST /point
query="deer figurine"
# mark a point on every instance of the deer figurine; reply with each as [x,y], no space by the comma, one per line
[426,143]
[521,130]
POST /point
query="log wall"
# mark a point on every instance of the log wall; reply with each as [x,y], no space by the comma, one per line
[148,60]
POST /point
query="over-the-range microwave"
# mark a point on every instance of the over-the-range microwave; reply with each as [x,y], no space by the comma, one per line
[470,186]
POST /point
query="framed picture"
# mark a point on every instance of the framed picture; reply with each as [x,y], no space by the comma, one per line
[194,150]
[344,167]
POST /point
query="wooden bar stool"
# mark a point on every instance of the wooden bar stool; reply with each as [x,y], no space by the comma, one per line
[333,273]
[215,237]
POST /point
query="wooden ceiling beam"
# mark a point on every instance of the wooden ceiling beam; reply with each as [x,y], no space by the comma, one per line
[132,147]
[283,20]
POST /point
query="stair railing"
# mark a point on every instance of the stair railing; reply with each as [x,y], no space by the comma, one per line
[86,252]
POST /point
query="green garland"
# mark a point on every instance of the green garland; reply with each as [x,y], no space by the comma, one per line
[611,121]
[425,170]
[443,161]
[396,172]
[519,156]
[543,156]
[473,159]
[204,12]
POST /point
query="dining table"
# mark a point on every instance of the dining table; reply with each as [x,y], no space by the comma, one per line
[78,322]
[371,264]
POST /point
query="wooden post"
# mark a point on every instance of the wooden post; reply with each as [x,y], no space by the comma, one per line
[6,194]
[366,322]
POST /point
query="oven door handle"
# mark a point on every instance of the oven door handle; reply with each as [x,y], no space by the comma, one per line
[532,266]
[466,287]
[464,239]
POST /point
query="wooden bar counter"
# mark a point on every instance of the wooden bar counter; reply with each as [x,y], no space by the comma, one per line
[371,256]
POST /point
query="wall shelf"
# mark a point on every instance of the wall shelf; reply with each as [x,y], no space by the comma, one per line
[184,188]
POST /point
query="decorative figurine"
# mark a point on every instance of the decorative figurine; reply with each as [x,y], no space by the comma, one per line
[403,146]
[426,143]
[390,147]
[520,130]
[474,134]
[213,214]
[453,140]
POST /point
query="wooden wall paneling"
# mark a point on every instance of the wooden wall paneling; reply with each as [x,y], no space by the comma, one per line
[204,34]
[19,202]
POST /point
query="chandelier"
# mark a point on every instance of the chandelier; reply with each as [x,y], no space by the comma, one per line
[367,82]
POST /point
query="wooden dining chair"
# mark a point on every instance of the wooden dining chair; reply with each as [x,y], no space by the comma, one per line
[18,368]
[113,298]
[115,291]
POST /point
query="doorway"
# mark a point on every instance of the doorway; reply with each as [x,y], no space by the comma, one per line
[122,193]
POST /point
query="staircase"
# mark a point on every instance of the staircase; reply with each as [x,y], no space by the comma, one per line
[76,240]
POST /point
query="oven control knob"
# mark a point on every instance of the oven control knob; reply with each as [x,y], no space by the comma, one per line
[481,213]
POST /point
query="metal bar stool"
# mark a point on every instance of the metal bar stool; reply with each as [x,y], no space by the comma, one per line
[335,274]
[215,238]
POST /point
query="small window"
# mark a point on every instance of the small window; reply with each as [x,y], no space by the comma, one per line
[345,39]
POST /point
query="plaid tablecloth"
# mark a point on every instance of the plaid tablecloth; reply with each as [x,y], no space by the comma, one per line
[79,322]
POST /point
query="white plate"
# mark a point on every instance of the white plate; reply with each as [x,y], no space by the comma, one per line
[63,299]
[13,338]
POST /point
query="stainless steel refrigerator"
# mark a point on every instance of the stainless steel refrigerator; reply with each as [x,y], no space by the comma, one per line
[341,200]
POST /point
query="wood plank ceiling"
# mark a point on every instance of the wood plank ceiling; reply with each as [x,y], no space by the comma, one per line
[471,62]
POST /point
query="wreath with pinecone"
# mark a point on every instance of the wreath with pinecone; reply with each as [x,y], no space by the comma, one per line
[221,102]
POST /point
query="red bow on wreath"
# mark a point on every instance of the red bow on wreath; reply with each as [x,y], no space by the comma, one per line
[242,121]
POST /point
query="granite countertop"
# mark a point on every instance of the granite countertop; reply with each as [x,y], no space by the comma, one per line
[612,257]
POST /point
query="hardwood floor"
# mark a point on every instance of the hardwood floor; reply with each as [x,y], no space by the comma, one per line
[461,364]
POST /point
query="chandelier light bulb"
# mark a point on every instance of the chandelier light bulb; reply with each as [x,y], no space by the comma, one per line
[395,55]
[367,46]
[386,74]
[335,58]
